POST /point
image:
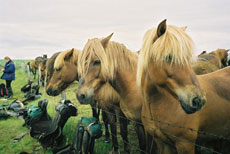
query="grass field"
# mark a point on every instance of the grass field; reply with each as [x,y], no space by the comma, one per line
[12,127]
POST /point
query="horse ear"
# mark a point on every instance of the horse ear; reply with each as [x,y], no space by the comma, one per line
[105,41]
[69,55]
[161,29]
[203,52]
[184,28]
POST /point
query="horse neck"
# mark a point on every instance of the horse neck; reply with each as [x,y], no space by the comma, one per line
[152,92]
[124,83]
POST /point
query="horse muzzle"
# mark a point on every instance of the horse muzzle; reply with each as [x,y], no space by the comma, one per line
[85,98]
[196,104]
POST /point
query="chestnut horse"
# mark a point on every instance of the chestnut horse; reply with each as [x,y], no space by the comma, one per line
[103,61]
[61,78]
[210,62]
[172,92]
[42,68]
[32,67]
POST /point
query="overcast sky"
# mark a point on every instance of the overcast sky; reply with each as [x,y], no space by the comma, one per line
[29,28]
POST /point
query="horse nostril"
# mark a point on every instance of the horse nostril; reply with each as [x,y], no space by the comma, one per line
[81,97]
[48,91]
[196,102]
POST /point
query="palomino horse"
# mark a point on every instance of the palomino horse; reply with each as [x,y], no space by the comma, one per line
[64,63]
[171,89]
[103,61]
[210,62]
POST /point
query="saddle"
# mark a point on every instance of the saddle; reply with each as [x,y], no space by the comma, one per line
[46,130]
[88,129]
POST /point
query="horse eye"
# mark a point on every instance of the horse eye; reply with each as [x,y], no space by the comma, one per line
[96,62]
[168,58]
[58,69]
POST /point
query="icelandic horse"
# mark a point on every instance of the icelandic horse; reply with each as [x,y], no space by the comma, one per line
[178,105]
[210,62]
[103,61]
[65,72]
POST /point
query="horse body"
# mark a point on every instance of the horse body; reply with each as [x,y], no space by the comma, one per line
[177,103]
[203,67]
[42,68]
[210,62]
[32,67]
[215,114]
[131,98]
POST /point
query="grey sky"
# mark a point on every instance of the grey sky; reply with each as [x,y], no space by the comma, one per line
[29,28]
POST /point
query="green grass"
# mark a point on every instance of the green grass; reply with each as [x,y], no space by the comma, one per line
[12,127]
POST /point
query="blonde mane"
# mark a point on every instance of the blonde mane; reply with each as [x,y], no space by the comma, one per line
[174,44]
[60,60]
[112,58]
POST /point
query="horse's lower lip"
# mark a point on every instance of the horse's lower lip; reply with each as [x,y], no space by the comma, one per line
[187,109]
[86,101]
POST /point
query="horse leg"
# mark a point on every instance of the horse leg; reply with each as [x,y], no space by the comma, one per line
[43,83]
[141,137]
[35,74]
[151,145]
[94,112]
[113,128]
[98,112]
[106,123]
[124,131]
[164,148]
[185,147]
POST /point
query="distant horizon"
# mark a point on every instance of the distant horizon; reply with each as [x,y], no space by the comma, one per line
[32,28]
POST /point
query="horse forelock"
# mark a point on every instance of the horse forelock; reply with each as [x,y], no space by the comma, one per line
[50,63]
[113,57]
[60,59]
[174,43]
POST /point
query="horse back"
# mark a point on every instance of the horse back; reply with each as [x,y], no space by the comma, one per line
[215,115]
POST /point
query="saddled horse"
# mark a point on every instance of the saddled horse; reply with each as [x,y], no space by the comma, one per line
[106,97]
[210,62]
[103,61]
[180,107]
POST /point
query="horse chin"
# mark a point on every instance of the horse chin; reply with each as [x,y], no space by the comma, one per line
[188,109]
[86,101]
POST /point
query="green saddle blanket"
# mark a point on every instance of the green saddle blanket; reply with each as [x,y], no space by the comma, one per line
[92,125]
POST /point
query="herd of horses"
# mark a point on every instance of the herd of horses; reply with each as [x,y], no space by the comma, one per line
[177,102]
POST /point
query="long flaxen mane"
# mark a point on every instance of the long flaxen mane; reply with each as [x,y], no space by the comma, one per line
[175,44]
[112,57]
[60,60]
